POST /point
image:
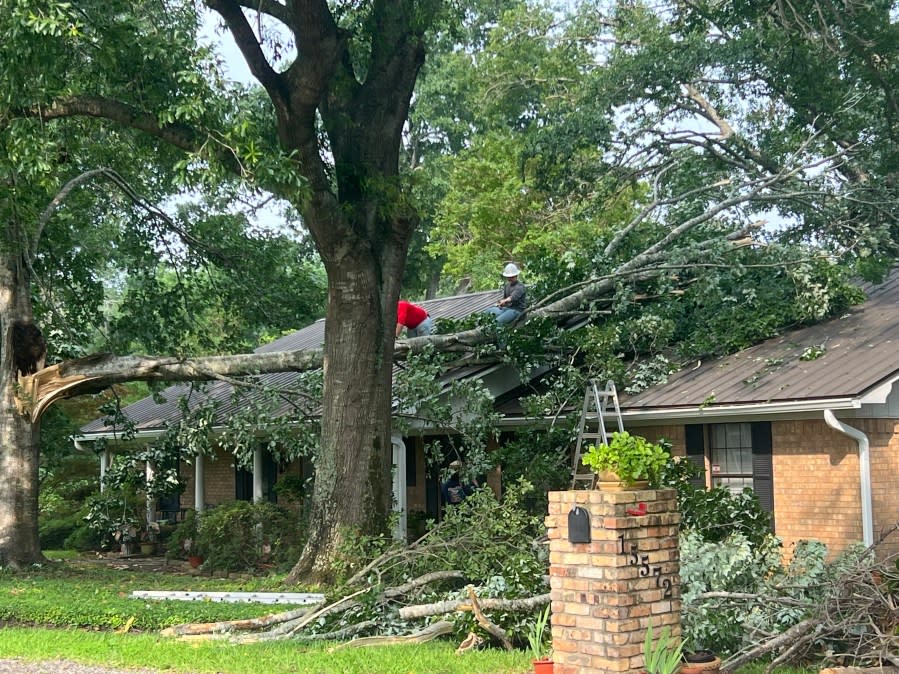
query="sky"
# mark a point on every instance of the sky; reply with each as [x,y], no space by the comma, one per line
[235,68]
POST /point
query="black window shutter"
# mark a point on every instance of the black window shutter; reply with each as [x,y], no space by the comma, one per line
[694,437]
[763,466]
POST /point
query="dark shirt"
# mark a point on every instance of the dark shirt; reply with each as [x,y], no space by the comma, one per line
[517,294]
[455,491]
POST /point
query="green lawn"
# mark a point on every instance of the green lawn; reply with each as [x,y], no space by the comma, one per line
[79,606]
[283,657]
[61,594]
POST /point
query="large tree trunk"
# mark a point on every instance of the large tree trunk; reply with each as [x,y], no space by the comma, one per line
[352,493]
[19,452]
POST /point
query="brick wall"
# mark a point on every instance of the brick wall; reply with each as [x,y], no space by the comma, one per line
[816,485]
[883,435]
[672,433]
[219,471]
[605,593]
[817,492]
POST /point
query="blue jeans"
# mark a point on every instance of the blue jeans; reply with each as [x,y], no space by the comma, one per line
[423,329]
[503,316]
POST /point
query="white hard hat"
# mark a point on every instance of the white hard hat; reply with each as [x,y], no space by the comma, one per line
[510,270]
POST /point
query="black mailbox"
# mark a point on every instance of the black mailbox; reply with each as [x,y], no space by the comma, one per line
[578,525]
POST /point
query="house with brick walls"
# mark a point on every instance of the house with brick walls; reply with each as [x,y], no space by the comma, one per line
[809,420]
[215,479]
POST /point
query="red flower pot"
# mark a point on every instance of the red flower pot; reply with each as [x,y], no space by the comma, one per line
[543,666]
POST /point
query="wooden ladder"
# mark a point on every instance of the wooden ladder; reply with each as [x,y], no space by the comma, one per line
[598,404]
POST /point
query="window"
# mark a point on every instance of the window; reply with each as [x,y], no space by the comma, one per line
[736,455]
[730,456]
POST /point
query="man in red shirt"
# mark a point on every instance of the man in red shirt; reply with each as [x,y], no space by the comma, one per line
[413,318]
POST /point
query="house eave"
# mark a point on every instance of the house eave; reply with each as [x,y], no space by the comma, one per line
[709,412]
[798,408]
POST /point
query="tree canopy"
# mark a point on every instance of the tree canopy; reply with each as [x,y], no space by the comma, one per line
[669,167]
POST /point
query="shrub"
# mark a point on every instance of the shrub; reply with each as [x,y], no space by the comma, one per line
[55,531]
[183,540]
[242,536]
[715,514]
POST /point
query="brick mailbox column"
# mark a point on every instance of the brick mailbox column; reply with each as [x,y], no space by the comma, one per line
[606,592]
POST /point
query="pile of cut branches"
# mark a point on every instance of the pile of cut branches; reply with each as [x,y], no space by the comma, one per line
[481,569]
[855,622]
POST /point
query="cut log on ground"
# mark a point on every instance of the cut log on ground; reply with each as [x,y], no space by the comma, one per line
[235,625]
[430,632]
[453,605]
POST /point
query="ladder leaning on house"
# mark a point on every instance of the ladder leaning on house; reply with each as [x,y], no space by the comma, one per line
[598,404]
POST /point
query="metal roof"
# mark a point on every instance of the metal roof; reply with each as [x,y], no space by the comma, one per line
[148,415]
[843,357]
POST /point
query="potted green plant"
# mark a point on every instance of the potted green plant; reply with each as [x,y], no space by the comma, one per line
[662,655]
[626,461]
[148,536]
[540,650]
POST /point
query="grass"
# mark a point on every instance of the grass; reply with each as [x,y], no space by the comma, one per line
[72,595]
[283,657]
[64,596]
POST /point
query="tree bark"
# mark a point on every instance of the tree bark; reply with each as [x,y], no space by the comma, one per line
[352,474]
[19,451]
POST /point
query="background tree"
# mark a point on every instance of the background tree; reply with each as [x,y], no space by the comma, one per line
[87,254]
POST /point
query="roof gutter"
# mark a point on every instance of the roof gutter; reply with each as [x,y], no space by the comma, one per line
[864,467]
[743,409]
[687,414]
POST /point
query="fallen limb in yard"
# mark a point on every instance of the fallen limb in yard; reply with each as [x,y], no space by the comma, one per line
[427,634]
[452,605]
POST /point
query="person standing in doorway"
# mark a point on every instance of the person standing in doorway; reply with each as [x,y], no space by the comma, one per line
[456,489]
[514,300]
[413,318]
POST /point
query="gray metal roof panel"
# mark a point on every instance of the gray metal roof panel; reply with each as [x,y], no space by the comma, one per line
[860,351]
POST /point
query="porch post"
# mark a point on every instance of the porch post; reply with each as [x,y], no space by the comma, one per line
[105,463]
[399,486]
[257,475]
[149,472]
[199,484]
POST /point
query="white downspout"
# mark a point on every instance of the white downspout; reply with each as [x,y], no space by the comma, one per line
[864,467]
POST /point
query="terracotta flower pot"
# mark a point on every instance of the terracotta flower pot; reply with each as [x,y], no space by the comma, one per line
[700,662]
[194,561]
[543,666]
[610,481]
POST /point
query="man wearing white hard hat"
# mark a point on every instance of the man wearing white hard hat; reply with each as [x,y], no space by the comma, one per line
[514,301]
